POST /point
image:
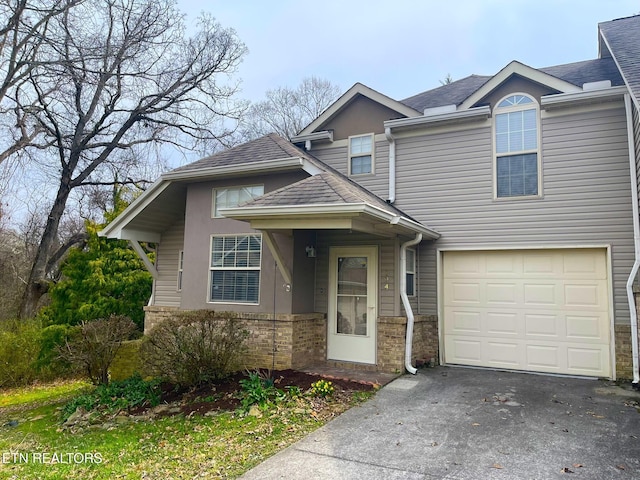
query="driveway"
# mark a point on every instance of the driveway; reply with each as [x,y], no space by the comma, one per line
[459,423]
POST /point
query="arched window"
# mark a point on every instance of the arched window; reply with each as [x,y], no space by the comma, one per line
[516,144]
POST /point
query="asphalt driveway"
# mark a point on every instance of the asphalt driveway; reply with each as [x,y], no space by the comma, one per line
[458,423]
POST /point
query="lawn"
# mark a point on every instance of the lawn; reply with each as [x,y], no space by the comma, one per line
[34,444]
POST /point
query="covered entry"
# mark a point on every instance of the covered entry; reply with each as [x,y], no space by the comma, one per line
[535,310]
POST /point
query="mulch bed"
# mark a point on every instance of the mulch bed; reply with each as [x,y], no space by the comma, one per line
[222,395]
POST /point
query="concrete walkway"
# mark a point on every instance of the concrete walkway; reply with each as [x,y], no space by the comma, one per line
[455,423]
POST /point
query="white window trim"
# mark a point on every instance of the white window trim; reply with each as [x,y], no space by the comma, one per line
[537,151]
[211,269]
[180,278]
[230,187]
[373,154]
[413,272]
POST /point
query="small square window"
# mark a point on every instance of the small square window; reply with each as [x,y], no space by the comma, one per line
[361,154]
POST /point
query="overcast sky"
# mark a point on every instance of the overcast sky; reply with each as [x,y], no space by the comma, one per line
[403,47]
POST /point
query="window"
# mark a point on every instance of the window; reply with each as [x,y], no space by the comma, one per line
[361,154]
[411,272]
[516,145]
[234,196]
[180,265]
[235,268]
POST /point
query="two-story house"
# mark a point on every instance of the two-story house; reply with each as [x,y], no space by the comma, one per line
[489,222]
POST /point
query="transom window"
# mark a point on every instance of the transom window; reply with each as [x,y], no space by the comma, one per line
[235,268]
[516,127]
[361,154]
[233,196]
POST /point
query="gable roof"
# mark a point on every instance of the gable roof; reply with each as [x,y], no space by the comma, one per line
[576,74]
[318,199]
[622,39]
[348,97]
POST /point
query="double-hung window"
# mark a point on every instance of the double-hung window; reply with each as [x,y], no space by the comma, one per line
[411,272]
[517,167]
[180,270]
[361,154]
[235,268]
[228,197]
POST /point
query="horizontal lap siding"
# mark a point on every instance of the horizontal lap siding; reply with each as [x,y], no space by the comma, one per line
[166,293]
[377,183]
[445,181]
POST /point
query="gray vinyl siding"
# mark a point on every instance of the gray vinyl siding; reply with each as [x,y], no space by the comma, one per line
[166,293]
[378,183]
[388,302]
[636,138]
[445,181]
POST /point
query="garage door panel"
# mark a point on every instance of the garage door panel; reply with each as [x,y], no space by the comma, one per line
[543,325]
[586,328]
[586,361]
[502,293]
[463,322]
[464,293]
[544,311]
[507,323]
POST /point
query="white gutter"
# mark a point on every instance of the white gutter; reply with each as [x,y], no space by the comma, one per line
[392,165]
[405,302]
[235,169]
[472,114]
[588,96]
[636,240]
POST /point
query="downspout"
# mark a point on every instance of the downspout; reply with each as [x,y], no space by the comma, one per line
[405,302]
[392,165]
[636,240]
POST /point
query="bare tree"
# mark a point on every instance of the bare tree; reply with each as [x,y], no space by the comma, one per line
[124,75]
[286,111]
[24,30]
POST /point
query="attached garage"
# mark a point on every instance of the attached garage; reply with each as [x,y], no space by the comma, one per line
[534,310]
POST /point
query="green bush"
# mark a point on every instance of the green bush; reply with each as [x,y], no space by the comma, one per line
[194,348]
[121,395]
[20,343]
[49,363]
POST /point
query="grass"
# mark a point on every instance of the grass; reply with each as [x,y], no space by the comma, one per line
[220,446]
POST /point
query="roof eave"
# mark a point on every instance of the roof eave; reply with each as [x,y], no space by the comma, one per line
[590,96]
[278,164]
[336,210]
[477,113]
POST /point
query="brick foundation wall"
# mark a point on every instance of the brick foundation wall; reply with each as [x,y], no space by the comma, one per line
[300,339]
[391,341]
[624,361]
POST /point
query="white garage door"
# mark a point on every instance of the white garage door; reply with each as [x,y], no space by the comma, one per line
[535,310]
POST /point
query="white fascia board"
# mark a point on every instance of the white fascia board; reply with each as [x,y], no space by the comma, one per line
[313,137]
[341,209]
[241,213]
[115,228]
[358,89]
[588,96]
[478,113]
[525,71]
[242,168]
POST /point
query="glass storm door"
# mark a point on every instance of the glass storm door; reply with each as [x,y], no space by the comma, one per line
[352,304]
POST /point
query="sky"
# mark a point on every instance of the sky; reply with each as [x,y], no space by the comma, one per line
[401,47]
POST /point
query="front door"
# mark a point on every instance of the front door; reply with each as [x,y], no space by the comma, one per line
[352,304]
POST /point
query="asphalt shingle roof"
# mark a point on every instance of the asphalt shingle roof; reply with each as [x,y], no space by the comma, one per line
[623,37]
[269,147]
[576,73]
